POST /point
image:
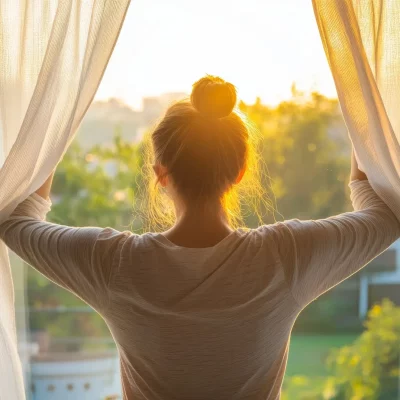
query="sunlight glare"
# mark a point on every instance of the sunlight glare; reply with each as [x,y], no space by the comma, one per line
[261,46]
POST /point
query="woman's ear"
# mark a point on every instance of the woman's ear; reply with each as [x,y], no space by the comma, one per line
[161,173]
[240,176]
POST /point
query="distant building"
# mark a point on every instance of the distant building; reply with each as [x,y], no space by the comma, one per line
[380,279]
[168,98]
[155,107]
[104,118]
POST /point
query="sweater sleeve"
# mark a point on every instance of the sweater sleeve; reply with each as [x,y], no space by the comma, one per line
[78,259]
[317,255]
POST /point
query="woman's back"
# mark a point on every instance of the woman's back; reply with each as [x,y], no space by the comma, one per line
[208,323]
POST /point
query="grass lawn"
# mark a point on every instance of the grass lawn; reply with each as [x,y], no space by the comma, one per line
[306,371]
[308,353]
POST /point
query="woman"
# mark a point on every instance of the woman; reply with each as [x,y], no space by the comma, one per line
[203,311]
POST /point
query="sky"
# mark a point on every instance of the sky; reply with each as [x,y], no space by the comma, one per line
[261,46]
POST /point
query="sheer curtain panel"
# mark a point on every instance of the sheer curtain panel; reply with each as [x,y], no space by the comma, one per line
[53,54]
[362,43]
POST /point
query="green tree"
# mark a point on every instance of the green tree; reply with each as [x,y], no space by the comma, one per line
[97,187]
[307,153]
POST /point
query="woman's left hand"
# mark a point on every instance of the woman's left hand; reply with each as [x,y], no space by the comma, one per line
[44,190]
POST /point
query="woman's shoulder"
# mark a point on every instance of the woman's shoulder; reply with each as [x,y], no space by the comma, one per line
[147,241]
[278,227]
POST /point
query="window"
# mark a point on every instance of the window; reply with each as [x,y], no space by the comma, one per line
[275,57]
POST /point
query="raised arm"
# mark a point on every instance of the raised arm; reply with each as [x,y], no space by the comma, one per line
[78,259]
[317,255]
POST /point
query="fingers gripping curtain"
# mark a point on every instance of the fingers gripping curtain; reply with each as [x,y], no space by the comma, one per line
[362,43]
[52,56]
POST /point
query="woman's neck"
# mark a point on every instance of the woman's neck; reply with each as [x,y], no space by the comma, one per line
[199,226]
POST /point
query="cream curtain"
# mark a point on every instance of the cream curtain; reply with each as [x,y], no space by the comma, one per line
[362,43]
[52,57]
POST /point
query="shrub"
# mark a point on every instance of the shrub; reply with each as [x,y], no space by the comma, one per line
[369,368]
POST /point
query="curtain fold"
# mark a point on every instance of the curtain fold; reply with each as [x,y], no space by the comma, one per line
[361,39]
[53,54]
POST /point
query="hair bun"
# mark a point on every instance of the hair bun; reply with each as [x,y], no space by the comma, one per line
[213,97]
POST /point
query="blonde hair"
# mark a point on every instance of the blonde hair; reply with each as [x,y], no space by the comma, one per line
[205,143]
